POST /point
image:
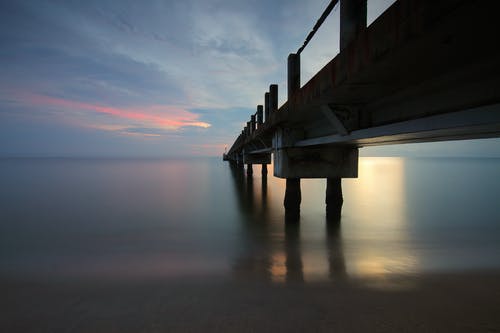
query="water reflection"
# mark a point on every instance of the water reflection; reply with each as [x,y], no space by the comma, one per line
[250,191]
[271,246]
[373,225]
[293,255]
[254,261]
[238,175]
[264,192]
[171,218]
[378,229]
[336,260]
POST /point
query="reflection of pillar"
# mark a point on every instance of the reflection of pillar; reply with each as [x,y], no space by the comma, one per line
[238,173]
[249,169]
[336,260]
[334,199]
[293,263]
[247,264]
[264,213]
[264,191]
[249,193]
[264,169]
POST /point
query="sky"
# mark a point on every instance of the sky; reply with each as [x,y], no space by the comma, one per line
[155,78]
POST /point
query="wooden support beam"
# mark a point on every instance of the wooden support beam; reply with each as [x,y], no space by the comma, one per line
[293,74]
[273,98]
[266,107]
[259,116]
[352,20]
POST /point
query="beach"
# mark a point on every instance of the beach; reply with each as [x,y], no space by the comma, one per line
[460,302]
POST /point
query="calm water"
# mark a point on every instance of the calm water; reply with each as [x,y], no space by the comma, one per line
[122,219]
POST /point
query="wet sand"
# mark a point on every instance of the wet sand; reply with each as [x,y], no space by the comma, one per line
[465,302]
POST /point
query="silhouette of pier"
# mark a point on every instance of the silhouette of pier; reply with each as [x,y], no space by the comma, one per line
[422,71]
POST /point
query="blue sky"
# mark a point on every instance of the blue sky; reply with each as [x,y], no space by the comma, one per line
[153,78]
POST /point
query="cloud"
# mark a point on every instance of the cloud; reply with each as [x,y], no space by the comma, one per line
[158,116]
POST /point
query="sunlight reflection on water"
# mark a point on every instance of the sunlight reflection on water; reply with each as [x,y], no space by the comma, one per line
[381,223]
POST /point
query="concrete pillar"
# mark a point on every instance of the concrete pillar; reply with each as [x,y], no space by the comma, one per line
[252,123]
[334,199]
[293,194]
[293,197]
[249,170]
[352,20]
[260,112]
[273,98]
[264,169]
[266,107]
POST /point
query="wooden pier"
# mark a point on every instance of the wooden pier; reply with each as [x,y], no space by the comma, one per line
[423,71]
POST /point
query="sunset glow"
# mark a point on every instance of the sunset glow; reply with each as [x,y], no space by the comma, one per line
[160,116]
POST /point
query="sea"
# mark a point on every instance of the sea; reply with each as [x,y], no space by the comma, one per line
[126,219]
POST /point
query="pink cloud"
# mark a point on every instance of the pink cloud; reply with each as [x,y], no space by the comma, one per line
[160,116]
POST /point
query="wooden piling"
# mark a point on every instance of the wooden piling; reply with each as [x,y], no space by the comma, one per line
[266,107]
[273,98]
[352,20]
[260,112]
[293,195]
[293,74]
